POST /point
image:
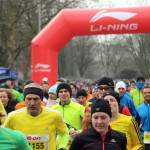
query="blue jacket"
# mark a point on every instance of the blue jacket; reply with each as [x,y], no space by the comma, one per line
[127,101]
[126,93]
[143,114]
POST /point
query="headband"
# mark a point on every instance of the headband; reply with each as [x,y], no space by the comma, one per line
[33,90]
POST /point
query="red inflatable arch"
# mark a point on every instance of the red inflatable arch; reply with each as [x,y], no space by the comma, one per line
[78,22]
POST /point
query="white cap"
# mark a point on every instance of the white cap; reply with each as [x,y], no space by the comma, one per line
[120,84]
[53,89]
[45,79]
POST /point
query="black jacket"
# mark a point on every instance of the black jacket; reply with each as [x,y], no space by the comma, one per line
[11,106]
[91,140]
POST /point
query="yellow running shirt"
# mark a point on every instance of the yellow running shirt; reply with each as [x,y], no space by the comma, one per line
[127,125]
[3,112]
[40,130]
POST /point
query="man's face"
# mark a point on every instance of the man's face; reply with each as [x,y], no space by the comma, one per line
[82,100]
[73,89]
[121,91]
[64,96]
[100,122]
[146,95]
[33,104]
[113,104]
[45,88]
[103,89]
[132,84]
[52,96]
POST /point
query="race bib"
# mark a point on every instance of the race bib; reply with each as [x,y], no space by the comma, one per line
[38,142]
[147,137]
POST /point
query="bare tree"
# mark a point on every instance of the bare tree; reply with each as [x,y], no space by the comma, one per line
[8,26]
[77,56]
[84,50]
[20,24]
[112,53]
[105,52]
[139,47]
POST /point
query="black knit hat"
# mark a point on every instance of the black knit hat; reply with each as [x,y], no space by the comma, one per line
[64,86]
[81,93]
[101,105]
[140,78]
[106,81]
[114,94]
[28,82]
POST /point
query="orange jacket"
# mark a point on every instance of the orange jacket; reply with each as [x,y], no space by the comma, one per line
[22,104]
[89,97]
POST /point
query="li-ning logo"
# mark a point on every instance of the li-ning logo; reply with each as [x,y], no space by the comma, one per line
[121,16]
[42,68]
[42,65]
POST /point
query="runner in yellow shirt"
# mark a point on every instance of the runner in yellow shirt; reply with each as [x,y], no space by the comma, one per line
[38,123]
[3,113]
[123,123]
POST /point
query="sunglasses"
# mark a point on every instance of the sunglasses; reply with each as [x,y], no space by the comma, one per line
[104,88]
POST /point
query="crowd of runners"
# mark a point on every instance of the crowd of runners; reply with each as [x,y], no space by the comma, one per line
[99,114]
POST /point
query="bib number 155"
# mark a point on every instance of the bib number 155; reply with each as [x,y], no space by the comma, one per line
[38,145]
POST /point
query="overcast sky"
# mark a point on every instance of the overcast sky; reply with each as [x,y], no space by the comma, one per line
[113,3]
